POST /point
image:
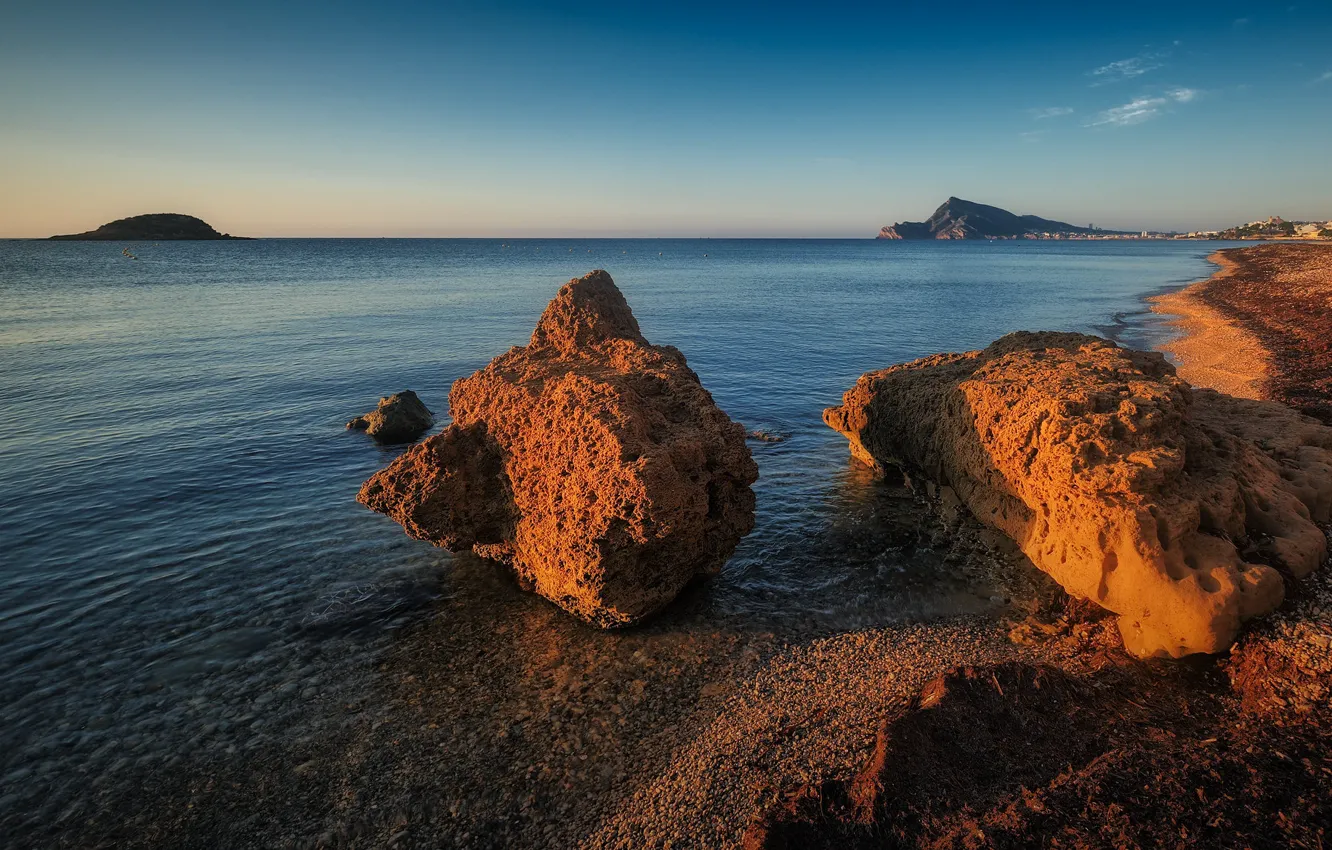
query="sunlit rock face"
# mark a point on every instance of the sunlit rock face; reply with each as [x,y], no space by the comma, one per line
[1171,506]
[593,463]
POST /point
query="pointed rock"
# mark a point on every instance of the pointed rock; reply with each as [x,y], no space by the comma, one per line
[593,463]
[585,313]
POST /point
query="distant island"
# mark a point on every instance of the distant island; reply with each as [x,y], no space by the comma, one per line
[156,227]
[959,219]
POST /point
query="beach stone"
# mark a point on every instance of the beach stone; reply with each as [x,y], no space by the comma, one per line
[400,418]
[590,461]
[1168,505]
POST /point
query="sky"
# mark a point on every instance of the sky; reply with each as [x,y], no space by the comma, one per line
[659,119]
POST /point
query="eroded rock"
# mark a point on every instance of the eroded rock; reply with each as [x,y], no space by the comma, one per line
[400,418]
[593,463]
[1170,506]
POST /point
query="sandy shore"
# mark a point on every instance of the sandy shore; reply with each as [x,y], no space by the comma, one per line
[1214,351]
[1261,327]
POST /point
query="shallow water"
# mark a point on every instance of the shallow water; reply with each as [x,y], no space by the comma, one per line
[186,567]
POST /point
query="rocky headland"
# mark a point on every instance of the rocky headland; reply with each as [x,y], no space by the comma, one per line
[153,227]
[590,461]
[959,219]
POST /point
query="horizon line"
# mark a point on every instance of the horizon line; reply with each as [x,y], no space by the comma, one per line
[235,238]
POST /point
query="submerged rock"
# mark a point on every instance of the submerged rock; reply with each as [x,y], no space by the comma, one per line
[765,436]
[1170,506]
[593,463]
[400,418]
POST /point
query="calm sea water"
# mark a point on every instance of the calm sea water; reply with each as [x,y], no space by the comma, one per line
[183,557]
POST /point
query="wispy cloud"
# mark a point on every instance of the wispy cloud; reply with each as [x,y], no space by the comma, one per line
[1126,69]
[1134,112]
[1142,109]
[1241,23]
[1049,112]
[1033,135]
[1322,78]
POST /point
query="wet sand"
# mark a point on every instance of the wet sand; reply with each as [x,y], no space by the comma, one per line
[1213,351]
[1261,327]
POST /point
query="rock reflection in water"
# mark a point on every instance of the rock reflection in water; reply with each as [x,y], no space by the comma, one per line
[870,552]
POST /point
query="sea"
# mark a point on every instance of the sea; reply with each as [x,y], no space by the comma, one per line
[184,568]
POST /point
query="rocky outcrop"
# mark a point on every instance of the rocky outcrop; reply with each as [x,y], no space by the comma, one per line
[906,230]
[1172,507]
[593,463]
[154,227]
[400,418]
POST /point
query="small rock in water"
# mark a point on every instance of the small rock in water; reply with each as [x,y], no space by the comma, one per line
[400,418]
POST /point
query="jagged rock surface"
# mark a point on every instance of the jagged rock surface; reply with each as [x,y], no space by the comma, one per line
[594,463]
[1170,506]
[399,418]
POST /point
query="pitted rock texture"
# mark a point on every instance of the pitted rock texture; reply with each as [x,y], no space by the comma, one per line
[593,463]
[1170,506]
[400,418]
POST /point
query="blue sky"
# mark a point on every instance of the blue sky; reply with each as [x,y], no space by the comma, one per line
[662,119]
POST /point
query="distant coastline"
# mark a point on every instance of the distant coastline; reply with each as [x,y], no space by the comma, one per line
[960,219]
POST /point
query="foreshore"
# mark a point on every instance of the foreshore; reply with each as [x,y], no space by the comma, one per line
[499,720]
[1261,327]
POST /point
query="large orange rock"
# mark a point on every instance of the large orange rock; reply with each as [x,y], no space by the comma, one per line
[1168,505]
[594,463]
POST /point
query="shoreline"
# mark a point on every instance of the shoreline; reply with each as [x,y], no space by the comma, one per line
[1211,350]
[1259,327]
